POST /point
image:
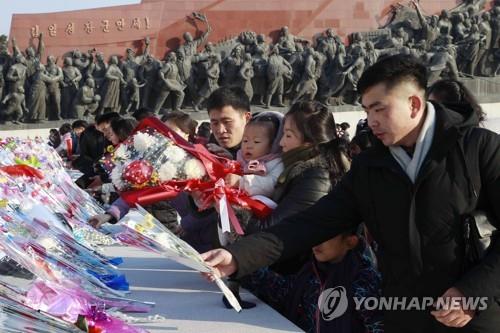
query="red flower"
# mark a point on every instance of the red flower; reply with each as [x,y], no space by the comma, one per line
[138,172]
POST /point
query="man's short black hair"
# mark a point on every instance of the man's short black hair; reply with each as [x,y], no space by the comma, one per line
[142,113]
[229,96]
[79,123]
[106,118]
[392,71]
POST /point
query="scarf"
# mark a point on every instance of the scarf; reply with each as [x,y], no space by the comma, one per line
[292,157]
[412,165]
[255,167]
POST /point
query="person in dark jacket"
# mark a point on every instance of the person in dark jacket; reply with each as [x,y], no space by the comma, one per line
[344,261]
[455,95]
[412,190]
[78,126]
[92,145]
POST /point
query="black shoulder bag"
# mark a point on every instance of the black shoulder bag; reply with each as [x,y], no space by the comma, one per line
[478,230]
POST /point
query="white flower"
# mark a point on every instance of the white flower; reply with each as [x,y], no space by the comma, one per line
[143,141]
[121,153]
[194,169]
[167,172]
[116,177]
[174,154]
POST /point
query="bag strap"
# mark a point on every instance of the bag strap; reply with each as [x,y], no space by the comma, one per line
[473,191]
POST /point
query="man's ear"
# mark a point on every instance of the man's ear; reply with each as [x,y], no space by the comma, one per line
[352,241]
[417,105]
[247,116]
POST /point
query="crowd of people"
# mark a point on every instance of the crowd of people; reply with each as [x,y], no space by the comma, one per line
[379,214]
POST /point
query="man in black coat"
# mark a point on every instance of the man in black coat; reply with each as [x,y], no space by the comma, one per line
[429,167]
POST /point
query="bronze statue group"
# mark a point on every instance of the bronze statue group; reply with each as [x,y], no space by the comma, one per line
[463,42]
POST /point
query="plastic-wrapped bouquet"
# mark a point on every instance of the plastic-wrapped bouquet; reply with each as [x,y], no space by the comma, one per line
[149,158]
[139,228]
[156,164]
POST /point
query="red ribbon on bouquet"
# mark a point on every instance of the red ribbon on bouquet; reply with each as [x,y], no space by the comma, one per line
[213,190]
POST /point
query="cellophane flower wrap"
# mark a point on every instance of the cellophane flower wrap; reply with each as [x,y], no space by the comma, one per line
[156,164]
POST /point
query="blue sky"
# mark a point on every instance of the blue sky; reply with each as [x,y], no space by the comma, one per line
[9,7]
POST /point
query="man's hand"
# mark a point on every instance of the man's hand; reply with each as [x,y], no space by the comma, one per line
[219,151]
[98,220]
[232,180]
[455,316]
[221,261]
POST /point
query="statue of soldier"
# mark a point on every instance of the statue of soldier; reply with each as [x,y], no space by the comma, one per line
[191,45]
[16,74]
[277,69]
[211,84]
[331,40]
[97,70]
[2,82]
[15,105]
[193,72]
[458,30]
[169,82]
[112,86]
[443,61]
[260,47]
[32,57]
[148,73]
[307,87]
[445,22]
[5,58]
[245,75]
[82,61]
[86,101]
[287,42]
[38,94]
[54,88]
[429,30]
[469,51]
[231,65]
[186,74]
[259,80]
[353,73]
[486,31]
[70,85]
[495,25]
[127,89]
[129,63]
[322,62]
[336,77]
[296,60]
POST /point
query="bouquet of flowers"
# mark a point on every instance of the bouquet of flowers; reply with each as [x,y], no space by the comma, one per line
[149,159]
[34,191]
[17,317]
[139,228]
[156,164]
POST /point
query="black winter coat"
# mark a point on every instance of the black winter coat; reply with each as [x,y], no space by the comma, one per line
[378,192]
[307,182]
